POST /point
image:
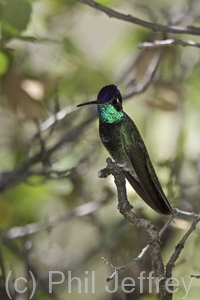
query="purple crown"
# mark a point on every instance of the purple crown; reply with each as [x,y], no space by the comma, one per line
[108,92]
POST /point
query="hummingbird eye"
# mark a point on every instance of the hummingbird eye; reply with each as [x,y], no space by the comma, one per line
[115,101]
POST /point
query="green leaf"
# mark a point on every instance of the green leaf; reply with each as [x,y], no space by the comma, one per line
[15,17]
[4,63]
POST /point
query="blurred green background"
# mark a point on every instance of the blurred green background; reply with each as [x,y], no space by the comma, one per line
[55,54]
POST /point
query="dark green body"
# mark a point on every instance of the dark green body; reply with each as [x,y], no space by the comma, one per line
[124,143]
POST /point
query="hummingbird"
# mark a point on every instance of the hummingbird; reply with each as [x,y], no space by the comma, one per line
[122,139]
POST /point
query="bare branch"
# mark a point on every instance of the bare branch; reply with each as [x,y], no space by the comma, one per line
[9,179]
[155,27]
[154,245]
[148,78]
[179,212]
[179,247]
[60,115]
[135,260]
[127,266]
[125,209]
[195,276]
[167,43]
[29,229]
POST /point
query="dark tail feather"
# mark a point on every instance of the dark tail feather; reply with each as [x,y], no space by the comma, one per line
[157,203]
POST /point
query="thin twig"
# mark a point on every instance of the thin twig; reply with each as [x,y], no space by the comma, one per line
[137,259]
[60,115]
[179,212]
[179,247]
[195,276]
[32,228]
[10,179]
[155,27]
[166,43]
[148,78]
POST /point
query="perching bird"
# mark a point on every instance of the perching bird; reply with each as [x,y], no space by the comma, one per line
[123,141]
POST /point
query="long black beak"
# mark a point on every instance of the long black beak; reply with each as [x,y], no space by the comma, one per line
[88,103]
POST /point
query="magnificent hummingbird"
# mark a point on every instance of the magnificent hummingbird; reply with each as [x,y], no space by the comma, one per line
[124,143]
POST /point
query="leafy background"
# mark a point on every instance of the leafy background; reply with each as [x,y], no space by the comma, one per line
[56,54]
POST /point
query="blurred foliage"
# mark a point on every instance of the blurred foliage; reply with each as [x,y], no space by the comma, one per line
[56,54]
[15,16]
